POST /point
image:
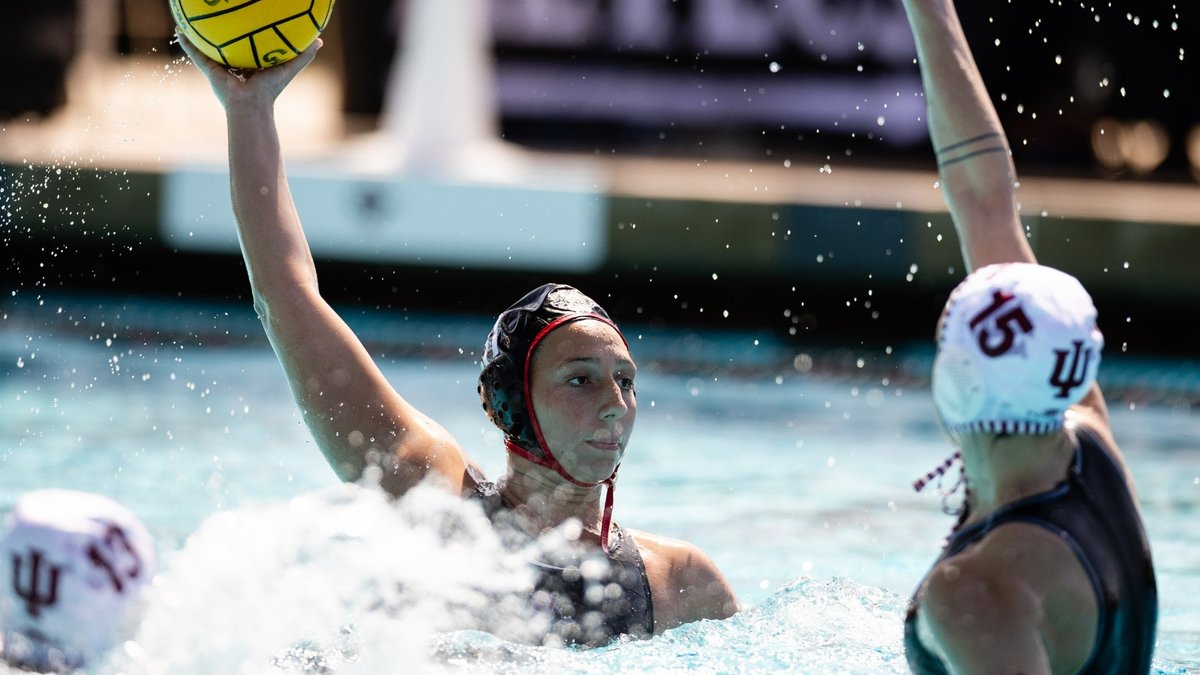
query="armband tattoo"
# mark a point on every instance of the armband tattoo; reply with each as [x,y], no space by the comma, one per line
[983,144]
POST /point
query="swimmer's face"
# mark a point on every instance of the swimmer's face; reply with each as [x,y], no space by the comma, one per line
[581,386]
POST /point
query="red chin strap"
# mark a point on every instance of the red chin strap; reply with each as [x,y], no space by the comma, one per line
[609,483]
[550,461]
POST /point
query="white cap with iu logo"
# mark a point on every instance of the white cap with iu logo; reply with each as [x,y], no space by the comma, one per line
[74,567]
[1017,345]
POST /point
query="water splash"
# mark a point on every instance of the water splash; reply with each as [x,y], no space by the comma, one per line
[336,581]
[346,581]
[808,626]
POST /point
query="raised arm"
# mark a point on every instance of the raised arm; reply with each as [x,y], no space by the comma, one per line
[354,414]
[974,162]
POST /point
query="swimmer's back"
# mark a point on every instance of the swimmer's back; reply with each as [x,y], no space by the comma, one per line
[1094,512]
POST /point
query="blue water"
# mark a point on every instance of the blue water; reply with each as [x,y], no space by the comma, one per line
[796,480]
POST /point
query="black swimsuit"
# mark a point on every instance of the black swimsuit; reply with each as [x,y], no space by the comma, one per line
[1093,512]
[589,604]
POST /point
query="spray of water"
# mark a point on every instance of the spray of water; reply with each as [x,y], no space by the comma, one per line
[340,580]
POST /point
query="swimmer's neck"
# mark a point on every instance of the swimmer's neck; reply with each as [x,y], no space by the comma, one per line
[1002,469]
[543,500]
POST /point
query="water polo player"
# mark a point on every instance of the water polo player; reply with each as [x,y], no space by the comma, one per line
[1048,569]
[558,379]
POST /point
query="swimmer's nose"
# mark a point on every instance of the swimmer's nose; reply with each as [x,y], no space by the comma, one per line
[614,406]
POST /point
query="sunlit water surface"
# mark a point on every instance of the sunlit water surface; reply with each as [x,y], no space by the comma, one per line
[796,481]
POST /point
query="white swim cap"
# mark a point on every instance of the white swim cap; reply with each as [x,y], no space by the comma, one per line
[74,568]
[1017,345]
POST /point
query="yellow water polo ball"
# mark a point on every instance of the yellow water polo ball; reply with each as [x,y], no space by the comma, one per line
[251,33]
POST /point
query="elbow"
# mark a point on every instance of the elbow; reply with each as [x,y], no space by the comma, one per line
[981,196]
[974,204]
[265,311]
[261,307]
[983,189]
[393,472]
[273,301]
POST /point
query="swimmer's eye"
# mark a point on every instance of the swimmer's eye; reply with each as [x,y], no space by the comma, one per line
[623,382]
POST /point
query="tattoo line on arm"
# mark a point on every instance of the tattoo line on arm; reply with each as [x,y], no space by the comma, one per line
[1001,146]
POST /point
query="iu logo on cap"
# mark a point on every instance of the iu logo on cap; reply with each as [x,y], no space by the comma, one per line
[1067,377]
[35,580]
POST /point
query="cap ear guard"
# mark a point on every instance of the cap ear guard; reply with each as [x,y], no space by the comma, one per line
[958,387]
[501,393]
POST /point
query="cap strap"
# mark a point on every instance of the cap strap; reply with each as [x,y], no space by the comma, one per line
[606,519]
[920,483]
[549,461]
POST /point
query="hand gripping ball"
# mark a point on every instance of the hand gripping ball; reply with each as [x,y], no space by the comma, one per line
[252,34]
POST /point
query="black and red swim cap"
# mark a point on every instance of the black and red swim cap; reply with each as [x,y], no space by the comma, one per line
[507,356]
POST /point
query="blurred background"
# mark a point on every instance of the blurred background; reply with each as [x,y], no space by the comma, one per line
[764,162]
[729,78]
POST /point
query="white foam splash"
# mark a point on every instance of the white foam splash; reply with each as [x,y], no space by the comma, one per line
[346,581]
[341,580]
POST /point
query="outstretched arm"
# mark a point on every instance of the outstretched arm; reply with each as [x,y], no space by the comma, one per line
[974,162]
[355,415]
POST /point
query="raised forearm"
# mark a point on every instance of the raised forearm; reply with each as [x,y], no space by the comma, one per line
[974,163]
[273,243]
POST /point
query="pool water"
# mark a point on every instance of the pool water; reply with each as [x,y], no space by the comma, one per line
[793,471]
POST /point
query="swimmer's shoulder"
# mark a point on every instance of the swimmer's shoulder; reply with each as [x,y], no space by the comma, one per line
[1020,574]
[676,554]
[685,582]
